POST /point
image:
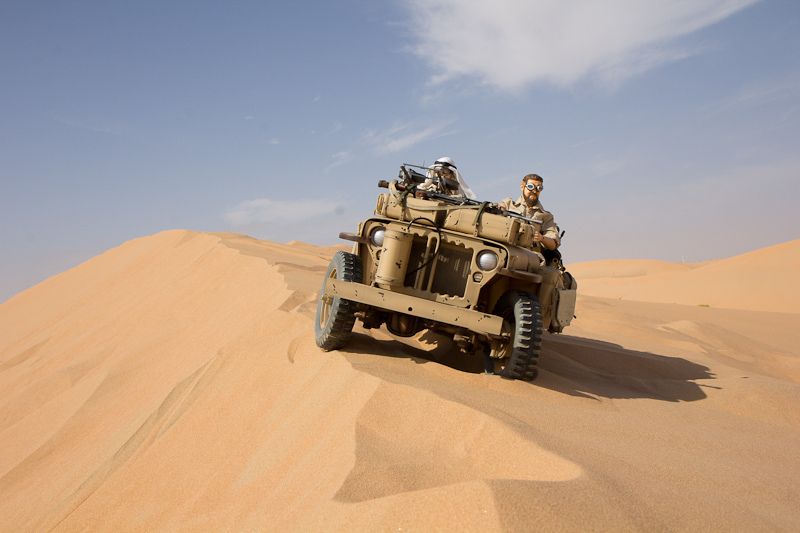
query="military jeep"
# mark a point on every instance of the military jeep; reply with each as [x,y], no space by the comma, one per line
[429,259]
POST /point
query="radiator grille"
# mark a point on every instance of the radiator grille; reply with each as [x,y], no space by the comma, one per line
[452,268]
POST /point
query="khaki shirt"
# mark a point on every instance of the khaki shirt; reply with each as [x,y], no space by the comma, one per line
[537,212]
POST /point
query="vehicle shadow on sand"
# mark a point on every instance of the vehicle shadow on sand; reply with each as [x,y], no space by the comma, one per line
[588,367]
[570,365]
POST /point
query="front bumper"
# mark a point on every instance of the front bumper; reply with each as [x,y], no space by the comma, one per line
[411,305]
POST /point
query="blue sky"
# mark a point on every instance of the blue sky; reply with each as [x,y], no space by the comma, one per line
[664,130]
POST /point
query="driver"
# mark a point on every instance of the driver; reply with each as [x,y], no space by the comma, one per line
[528,205]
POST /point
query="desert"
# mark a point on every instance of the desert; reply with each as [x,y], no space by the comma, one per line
[173,384]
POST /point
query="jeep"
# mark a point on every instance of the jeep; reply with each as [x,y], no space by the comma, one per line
[429,259]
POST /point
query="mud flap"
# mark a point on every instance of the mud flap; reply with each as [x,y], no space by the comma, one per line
[565,309]
[548,295]
[557,296]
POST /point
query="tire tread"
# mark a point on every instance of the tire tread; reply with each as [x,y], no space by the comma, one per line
[342,313]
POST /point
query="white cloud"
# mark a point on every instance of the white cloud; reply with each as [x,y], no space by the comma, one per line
[264,210]
[511,43]
[405,135]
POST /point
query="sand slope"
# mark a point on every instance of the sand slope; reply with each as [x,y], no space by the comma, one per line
[173,384]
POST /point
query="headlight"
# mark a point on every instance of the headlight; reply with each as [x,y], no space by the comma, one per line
[377,236]
[487,260]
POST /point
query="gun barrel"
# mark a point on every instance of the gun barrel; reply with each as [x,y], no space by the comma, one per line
[517,215]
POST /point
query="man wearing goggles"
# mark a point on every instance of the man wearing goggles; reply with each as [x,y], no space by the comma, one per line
[528,205]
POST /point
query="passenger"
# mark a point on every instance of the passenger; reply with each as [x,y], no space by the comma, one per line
[445,166]
[528,205]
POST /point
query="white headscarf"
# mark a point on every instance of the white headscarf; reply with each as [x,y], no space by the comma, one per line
[463,188]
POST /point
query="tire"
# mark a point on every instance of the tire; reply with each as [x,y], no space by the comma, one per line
[336,316]
[516,358]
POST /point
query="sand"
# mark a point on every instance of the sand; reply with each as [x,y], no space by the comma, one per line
[173,384]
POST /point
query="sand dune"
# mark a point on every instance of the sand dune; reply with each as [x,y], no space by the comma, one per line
[762,280]
[173,383]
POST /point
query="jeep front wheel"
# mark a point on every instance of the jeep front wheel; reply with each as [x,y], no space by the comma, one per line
[516,357]
[336,316]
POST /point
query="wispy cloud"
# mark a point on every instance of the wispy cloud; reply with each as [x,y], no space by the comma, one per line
[264,210]
[601,169]
[404,135]
[766,91]
[395,138]
[339,158]
[509,44]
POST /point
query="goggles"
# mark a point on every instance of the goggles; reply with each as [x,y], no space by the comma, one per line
[532,187]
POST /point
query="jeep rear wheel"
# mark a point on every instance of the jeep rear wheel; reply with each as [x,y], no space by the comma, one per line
[335,315]
[517,356]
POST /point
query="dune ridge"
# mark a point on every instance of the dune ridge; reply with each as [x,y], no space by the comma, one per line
[173,383]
